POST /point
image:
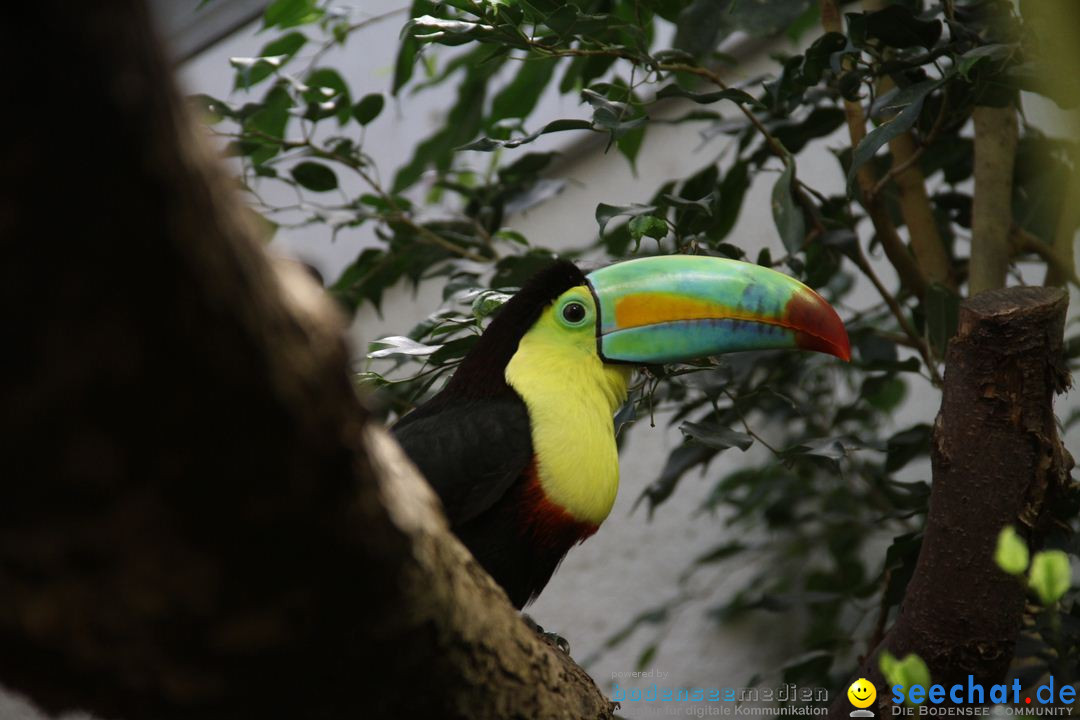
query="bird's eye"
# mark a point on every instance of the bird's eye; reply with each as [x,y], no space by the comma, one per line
[573,313]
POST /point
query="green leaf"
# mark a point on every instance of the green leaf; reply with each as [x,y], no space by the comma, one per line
[720,553]
[1011,553]
[906,445]
[995,51]
[646,657]
[409,47]
[911,99]
[488,302]
[716,436]
[274,55]
[821,122]
[681,460]
[832,449]
[400,345]
[901,557]
[701,25]
[729,203]
[269,123]
[369,381]
[767,18]
[806,22]
[428,27]
[454,349]
[315,176]
[487,144]
[733,94]
[762,19]
[648,226]
[512,235]
[818,56]
[290,13]
[907,672]
[898,27]
[461,124]
[787,214]
[519,97]
[568,20]
[617,117]
[629,145]
[885,392]
[327,95]
[212,110]
[365,279]
[942,307]
[368,108]
[1050,575]
[605,212]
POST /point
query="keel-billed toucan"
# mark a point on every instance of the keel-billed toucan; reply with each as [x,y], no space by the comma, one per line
[520,443]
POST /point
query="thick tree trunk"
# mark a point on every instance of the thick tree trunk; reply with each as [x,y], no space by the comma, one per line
[995,447]
[197,518]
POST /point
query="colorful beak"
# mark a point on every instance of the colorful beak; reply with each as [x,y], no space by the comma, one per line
[674,308]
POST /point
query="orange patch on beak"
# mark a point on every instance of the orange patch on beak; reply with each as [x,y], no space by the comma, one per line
[656,308]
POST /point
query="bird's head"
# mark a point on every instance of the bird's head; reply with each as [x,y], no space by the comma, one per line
[675,308]
[658,310]
[682,307]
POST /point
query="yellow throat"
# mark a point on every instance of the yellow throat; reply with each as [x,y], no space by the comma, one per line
[572,397]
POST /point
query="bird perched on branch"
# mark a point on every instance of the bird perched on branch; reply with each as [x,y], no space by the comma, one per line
[520,444]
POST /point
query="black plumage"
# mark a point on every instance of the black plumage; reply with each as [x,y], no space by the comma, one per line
[473,443]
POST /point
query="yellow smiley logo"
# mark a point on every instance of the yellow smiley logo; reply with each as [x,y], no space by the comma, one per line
[862,693]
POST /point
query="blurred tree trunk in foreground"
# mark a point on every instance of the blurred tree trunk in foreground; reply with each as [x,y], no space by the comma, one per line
[197,518]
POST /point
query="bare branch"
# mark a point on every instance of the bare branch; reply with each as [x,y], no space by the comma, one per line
[995,152]
[911,275]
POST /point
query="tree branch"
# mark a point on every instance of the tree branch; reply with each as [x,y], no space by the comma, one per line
[991,212]
[915,207]
[1024,242]
[1061,263]
[427,235]
[911,275]
[917,341]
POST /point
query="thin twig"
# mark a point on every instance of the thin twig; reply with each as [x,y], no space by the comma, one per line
[898,312]
[746,425]
[348,31]
[775,145]
[895,170]
[1023,241]
[399,215]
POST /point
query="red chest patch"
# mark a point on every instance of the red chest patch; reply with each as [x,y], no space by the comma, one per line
[545,523]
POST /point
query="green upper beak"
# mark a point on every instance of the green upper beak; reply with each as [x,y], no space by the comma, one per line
[674,308]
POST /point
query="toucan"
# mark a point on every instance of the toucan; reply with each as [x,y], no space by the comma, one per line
[520,443]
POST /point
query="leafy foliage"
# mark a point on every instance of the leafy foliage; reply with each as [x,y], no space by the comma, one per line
[834,484]
[909,672]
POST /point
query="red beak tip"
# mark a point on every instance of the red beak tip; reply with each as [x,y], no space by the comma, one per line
[819,327]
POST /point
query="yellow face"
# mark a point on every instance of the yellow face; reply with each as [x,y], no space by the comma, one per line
[862,693]
[571,396]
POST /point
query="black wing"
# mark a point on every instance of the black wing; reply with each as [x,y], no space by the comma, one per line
[470,451]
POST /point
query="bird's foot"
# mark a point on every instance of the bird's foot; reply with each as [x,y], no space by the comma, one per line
[551,638]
